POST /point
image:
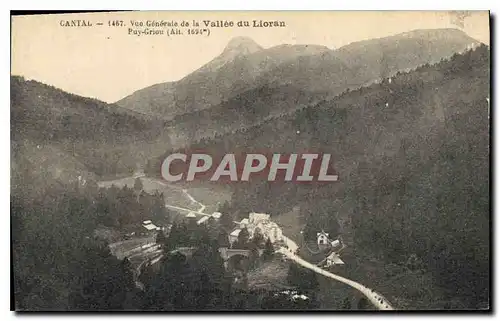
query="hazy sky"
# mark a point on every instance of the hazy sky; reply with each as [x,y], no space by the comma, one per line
[107,63]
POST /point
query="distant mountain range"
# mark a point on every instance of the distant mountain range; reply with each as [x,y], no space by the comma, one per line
[244,65]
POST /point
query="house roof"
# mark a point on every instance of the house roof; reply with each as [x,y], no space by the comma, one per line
[216,215]
[335,243]
[335,259]
[255,217]
[203,219]
[191,214]
[244,221]
[150,227]
[235,232]
[322,233]
[147,222]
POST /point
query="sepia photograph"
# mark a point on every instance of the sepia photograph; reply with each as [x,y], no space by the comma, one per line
[250,161]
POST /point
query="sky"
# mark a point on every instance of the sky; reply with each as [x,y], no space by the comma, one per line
[107,63]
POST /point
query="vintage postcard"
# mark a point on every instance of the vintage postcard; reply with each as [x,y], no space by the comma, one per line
[250,160]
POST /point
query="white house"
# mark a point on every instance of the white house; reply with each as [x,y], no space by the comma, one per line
[244,223]
[263,223]
[334,259]
[322,238]
[233,237]
[260,222]
[255,218]
[150,227]
[202,220]
[336,243]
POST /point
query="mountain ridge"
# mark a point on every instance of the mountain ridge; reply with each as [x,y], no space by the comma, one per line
[244,64]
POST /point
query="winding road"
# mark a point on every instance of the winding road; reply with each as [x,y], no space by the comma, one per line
[375,298]
[189,196]
[378,300]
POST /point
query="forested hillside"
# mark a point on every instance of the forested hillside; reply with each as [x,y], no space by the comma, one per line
[412,153]
[92,136]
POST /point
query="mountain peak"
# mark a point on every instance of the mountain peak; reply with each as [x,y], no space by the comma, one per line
[237,47]
[242,45]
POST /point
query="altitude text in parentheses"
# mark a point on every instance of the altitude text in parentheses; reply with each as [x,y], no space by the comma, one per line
[174,32]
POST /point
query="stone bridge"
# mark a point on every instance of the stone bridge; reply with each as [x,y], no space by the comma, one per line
[225,253]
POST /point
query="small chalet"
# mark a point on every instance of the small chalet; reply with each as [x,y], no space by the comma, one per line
[334,259]
[233,237]
[203,220]
[322,238]
[149,227]
[338,245]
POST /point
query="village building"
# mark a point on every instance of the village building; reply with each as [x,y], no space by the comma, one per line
[322,238]
[233,237]
[334,259]
[255,218]
[203,220]
[262,223]
[244,223]
[336,244]
[148,227]
[191,221]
